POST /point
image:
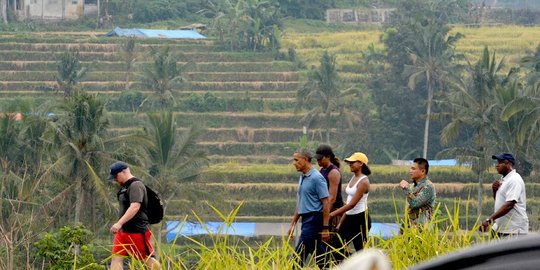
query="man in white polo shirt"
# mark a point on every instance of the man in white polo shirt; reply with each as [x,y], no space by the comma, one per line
[510,216]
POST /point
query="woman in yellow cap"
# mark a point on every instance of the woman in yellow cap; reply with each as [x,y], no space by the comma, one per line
[355,222]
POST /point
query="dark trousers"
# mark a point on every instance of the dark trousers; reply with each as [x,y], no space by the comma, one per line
[355,229]
[310,238]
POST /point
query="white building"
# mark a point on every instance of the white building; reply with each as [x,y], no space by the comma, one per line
[53,9]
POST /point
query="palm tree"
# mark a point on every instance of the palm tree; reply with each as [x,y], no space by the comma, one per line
[162,77]
[9,142]
[520,115]
[432,58]
[70,72]
[175,157]
[129,54]
[472,107]
[80,134]
[23,211]
[322,96]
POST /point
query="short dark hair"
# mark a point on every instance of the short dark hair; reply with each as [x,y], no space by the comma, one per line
[305,153]
[422,164]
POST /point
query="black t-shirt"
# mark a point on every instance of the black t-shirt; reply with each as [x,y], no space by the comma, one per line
[135,192]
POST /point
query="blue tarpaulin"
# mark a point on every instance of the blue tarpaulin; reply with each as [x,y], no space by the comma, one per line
[177,229]
[154,33]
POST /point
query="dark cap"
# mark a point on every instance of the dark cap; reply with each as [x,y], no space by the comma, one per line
[505,156]
[323,150]
[116,168]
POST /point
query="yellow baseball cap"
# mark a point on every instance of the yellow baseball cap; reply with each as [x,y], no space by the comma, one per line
[358,156]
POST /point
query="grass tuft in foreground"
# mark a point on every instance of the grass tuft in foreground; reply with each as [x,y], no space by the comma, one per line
[220,251]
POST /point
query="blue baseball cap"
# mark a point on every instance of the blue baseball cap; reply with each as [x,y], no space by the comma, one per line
[505,156]
[116,168]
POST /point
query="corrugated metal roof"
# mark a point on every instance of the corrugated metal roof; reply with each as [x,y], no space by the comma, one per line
[154,33]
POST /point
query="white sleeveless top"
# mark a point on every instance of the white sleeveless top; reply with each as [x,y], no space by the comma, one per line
[361,206]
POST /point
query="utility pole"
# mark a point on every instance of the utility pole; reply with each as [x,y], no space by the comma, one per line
[98,14]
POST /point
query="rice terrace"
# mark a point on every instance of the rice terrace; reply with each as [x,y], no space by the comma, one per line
[213,126]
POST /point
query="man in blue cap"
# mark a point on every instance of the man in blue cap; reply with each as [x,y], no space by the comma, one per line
[131,230]
[510,216]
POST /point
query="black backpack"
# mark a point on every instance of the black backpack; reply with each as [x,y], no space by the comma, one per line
[154,208]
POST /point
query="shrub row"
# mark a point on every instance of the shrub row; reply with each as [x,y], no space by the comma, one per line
[251,159]
[51,84]
[210,103]
[187,86]
[243,86]
[44,75]
[107,56]
[239,148]
[285,207]
[217,120]
[96,47]
[130,101]
[288,190]
[244,134]
[94,74]
[268,66]
[378,177]
[241,76]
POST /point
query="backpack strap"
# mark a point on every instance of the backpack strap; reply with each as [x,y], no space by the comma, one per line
[125,187]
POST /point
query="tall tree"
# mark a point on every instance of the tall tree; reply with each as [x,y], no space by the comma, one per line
[175,159]
[162,77]
[70,72]
[431,61]
[173,154]
[24,211]
[79,134]
[324,97]
[520,132]
[421,50]
[471,108]
[129,54]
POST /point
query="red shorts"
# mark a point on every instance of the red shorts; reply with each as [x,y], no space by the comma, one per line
[133,244]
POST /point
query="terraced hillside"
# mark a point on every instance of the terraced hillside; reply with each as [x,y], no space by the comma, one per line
[254,123]
[257,125]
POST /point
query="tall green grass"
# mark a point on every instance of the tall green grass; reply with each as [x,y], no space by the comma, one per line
[415,244]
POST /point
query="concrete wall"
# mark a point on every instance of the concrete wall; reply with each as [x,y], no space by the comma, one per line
[358,15]
[52,9]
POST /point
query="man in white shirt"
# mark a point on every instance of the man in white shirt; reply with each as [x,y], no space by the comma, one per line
[510,216]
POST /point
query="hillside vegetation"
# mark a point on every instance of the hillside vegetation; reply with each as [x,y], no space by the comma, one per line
[511,42]
[245,100]
[252,119]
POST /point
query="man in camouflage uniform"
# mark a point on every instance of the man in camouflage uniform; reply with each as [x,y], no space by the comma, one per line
[421,194]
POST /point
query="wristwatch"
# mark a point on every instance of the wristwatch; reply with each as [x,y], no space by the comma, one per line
[325,227]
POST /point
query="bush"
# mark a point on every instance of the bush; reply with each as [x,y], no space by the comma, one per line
[203,103]
[68,247]
[208,102]
[128,101]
